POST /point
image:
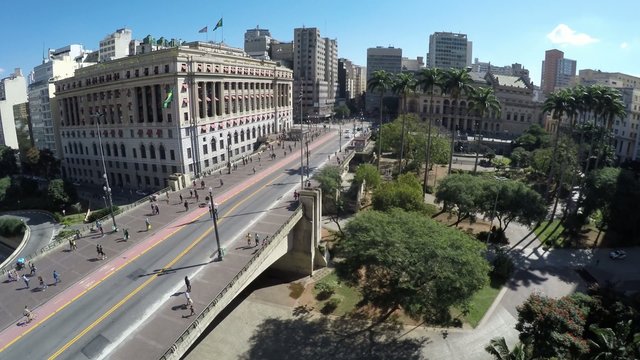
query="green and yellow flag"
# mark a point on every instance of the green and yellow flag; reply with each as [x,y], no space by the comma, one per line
[167,101]
[218,25]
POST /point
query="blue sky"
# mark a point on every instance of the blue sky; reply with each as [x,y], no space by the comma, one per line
[599,35]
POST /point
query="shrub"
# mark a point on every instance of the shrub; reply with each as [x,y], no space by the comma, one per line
[330,306]
[11,227]
[64,234]
[324,290]
[102,213]
[502,267]
[295,290]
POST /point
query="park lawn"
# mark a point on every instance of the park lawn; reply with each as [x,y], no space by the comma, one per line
[479,304]
[348,296]
[552,235]
[73,219]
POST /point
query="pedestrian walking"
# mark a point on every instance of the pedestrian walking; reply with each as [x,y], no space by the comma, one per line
[186,206]
[74,245]
[257,239]
[215,213]
[254,169]
[189,301]
[248,239]
[153,209]
[27,314]
[157,210]
[180,198]
[197,197]
[167,194]
[187,283]
[32,268]
[56,278]
[11,277]
[190,193]
[43,286]
[221,183]
[101,230]
[202,184]
[191,311]
[70,244]
[148,223]
[265,240]
[126,234]
[26,280]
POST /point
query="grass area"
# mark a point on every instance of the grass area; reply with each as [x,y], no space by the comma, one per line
[479,304]
[348,296]
[73,219]
[551,235]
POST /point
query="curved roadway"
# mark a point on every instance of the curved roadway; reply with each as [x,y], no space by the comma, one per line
[42,228]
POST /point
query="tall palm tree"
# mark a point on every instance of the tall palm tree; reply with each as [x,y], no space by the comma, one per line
[380,81]
[612,107]
[456,82]
[403,85]
[484,101]
[428,80]
[500,351]
[557,104]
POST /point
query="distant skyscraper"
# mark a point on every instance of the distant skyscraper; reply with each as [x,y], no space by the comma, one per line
[60,64]
[381,58]
[257,43]
[360,80]
[557,72]
[115,45]
[346,77]
[315,71]
[13,91]
[449,50]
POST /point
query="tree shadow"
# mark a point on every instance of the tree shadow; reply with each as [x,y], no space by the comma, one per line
[345,338]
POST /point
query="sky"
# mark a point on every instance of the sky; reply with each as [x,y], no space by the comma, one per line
[598,34]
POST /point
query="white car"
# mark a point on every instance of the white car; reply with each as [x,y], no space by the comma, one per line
[617,255]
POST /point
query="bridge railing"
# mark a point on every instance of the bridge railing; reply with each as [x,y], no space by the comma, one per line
[197,326]
[86,229]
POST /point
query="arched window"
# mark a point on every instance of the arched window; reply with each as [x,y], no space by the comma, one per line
[75,148]
[213,144]
[241,135]
[108,149]
[123,150]
[81,151]
[143,151]
[115,150]
[152,151]
[95,149]
[253,132]
[162,152]
[235,137]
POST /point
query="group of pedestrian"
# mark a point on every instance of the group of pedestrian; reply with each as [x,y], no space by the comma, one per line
[155,210]
[189,303]
[101,253]
[99,227]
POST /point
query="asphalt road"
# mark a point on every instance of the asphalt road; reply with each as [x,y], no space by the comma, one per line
[67,330]
[43,227]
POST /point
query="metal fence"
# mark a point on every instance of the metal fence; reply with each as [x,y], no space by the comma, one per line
[86,229]
[198,323]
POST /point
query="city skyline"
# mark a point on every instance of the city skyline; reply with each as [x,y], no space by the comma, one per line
[597,37]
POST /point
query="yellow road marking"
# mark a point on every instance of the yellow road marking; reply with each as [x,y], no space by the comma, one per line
[142,286]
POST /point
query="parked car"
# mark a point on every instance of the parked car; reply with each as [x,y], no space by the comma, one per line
[617,255]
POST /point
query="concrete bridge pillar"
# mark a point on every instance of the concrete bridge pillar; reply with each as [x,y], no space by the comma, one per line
[303,256]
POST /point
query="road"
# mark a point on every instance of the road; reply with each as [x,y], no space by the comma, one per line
[96,322]
[42,225]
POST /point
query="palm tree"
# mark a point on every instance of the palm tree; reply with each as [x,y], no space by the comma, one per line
[428,80]
[557,104]
[612,107]
[380,81]
[403,85]
[456,82]
[484,102]
[606,344]
[500,351]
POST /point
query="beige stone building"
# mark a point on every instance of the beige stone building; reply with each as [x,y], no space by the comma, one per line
[222,103]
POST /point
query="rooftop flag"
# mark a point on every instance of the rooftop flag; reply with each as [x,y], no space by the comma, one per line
[204,29]
[218,25]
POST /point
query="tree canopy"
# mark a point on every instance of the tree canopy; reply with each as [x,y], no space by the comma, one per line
[330,179]
[8,161]
[403,193]
[405,260]
[368,174]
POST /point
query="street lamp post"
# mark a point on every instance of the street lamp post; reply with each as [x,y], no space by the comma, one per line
[215,223]
[106,188]
[229,153]
[301,152]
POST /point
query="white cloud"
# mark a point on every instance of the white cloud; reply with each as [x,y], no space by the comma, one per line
[1,70]
[563,34]
[624,45]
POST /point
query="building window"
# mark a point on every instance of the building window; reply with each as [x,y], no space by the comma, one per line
[162,153]
[143,152]
[188,153]
[172,155]
[205,149]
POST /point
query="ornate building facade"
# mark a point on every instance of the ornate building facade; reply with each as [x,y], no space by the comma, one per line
[188,109]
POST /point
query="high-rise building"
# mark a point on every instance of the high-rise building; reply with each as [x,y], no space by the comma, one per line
[346,78]
[449,50]
[611,79]
[257,43]
[282,53]
[115,45]
[388,59]
[315,69]
[412,65]
[191,109]
[13,91]
[557,72]
[514,69]
[360,80]
[23,127]
[61,63]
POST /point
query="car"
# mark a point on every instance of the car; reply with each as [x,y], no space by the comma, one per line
[617,255]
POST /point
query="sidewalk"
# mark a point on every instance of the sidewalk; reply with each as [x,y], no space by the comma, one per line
[73,266]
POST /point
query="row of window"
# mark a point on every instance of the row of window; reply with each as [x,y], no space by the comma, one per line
[115,151]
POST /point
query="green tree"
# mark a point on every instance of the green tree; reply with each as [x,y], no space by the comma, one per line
[554,327]
[368,174]
[455,83]
[342,111]
[500,351]
[533,138]
[403,85]
[57,195]
[607,344]
[380,81]
[429,79]
[461,195]
[48,165]
[511,200]
[521,157]
[403,260]
[8,161]
[483,102]
[5,185]
[404,193]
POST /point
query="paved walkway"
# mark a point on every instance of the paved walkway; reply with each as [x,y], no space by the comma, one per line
[80,268]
